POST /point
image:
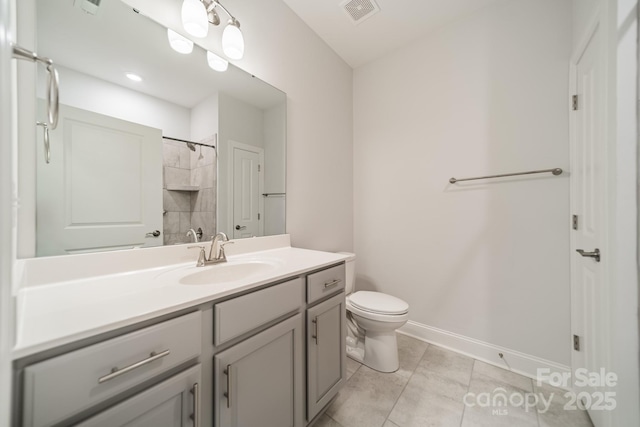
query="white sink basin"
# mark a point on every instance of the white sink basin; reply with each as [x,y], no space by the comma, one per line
[227,272]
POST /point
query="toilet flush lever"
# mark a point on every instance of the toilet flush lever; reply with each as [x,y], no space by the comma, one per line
[595,254]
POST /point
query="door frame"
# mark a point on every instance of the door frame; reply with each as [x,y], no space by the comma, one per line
[231,146]
[8,207]
[597,23]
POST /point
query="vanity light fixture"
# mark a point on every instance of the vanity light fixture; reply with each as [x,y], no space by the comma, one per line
[134,77]
[179,43]
[232,40]
[217,63]
[196,14]
[194,18]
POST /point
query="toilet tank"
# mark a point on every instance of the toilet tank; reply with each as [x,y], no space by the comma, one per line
[350,271]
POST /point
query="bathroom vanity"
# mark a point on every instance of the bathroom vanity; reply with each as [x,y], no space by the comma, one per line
[256,341]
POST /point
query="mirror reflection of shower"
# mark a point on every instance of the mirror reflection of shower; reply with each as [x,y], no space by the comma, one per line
[189,189]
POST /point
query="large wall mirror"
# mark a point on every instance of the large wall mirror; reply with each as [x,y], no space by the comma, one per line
[153,146]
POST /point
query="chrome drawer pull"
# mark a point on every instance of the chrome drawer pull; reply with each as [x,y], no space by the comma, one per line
[115,372]
[332,284]
[227,372]
[196,405]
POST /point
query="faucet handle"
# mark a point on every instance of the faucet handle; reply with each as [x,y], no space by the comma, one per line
[222,245]
[202,257]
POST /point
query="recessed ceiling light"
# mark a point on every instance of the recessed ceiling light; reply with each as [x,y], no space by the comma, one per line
[134,77]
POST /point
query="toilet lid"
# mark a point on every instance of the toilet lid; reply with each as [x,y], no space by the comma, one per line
[377,302]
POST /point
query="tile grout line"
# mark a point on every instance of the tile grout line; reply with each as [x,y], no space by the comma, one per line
[464,407]
[406,384]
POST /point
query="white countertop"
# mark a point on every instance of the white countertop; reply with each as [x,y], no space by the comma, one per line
[53,314]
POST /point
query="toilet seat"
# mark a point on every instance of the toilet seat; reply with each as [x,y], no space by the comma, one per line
[378,303]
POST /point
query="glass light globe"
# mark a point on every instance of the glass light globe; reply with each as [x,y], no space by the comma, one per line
[217,63]
[194,18]
[179,43]
[232,41]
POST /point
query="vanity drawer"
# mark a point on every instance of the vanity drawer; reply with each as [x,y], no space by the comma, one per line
[63,386]
[243,314]
[325,282]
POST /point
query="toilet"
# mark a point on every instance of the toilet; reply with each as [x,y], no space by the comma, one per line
[372,320]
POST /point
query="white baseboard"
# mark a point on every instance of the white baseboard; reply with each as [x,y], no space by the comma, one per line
[520,363]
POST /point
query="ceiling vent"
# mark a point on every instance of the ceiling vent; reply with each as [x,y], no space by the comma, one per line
[89,6]
[360,10]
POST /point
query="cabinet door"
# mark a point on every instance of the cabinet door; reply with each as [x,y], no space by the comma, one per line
[258,382]
[172,403]
[326,364]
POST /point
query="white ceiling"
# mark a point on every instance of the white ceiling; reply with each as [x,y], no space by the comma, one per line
[397,23]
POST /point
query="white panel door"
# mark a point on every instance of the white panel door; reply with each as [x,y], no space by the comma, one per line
[247,188]
[103,187]
[589,297]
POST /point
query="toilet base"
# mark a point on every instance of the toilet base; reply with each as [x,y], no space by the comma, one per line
[379,351]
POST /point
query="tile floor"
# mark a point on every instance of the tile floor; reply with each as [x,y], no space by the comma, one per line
[429,388]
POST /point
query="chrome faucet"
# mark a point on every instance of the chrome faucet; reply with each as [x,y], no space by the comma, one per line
[218,243]
[219,250]
[192,233]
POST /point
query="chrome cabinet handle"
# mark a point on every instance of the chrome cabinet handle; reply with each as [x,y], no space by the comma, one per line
[155,233]
[332,284]
[115,372]
[595,254]
[227,394]
[196,405]
[239,227]
[315,335]
[47,146]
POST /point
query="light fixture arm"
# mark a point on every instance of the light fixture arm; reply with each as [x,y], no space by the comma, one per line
[211,5]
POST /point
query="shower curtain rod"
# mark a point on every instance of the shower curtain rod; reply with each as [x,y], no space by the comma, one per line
[188,142]
[555,171]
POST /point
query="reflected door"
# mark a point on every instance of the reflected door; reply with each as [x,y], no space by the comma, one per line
[103,187]
[247,188]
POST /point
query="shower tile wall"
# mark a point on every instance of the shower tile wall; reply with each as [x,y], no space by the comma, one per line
[204,175]
[188,209]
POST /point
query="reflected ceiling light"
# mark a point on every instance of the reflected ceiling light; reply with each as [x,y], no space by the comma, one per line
[179,43]
[217,63]
[134,77]
[194,18]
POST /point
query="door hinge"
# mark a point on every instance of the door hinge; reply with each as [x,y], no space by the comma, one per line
[576,343]
[574,102]
[574,222]
[258,168]
[258,217]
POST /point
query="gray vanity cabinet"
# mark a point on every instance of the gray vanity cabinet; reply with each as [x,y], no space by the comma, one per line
[258,382]
[65,387]
[326,367]
[174,402]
